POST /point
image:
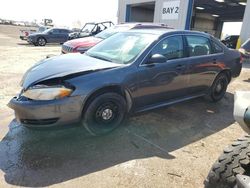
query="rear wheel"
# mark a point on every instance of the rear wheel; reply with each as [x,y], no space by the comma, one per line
[41,41]
[234,160]
[219,88]
[104,113]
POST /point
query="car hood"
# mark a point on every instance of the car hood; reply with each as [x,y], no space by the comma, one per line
[83,42]
[36,33]
[63,65]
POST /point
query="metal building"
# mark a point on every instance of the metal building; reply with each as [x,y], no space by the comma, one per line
[202,15]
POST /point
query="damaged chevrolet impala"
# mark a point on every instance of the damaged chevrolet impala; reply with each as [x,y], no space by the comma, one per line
[130,72]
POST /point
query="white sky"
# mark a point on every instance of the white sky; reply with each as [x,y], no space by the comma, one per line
[231,28]
[68,13]
[62,12]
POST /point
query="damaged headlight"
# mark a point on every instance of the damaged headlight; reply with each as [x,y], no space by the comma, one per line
[43,92]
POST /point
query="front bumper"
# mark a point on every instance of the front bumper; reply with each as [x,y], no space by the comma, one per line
[51,113]
[67,49]
[29,40]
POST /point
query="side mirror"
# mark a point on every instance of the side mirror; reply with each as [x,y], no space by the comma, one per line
[157,58]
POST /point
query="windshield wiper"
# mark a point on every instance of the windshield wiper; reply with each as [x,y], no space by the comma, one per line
[98,57]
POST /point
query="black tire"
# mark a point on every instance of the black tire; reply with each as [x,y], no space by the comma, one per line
[41,41]
[219,88]
[35,44]
[234,160]
[104,114]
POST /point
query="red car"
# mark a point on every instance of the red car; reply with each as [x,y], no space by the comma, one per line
[83,44]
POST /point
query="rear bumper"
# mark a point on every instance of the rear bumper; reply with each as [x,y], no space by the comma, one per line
[236,70]
[30,40]
[23,38]
[52,113]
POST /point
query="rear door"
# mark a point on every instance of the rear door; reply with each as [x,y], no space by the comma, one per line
[204,63]
[63,35]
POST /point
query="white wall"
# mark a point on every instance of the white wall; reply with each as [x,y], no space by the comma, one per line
[245,30]
[175,23]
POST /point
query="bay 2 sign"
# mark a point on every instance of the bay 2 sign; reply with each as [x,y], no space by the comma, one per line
[170,10]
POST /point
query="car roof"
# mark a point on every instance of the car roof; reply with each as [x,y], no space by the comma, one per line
[59,28]
[163,32]
[134,25]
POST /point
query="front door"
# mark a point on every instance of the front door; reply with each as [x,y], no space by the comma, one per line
[162,82]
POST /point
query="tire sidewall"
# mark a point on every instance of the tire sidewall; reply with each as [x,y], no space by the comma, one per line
[234,161]
[221,77]
[40,39]
[88,114]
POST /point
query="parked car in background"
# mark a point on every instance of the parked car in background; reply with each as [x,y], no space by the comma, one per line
[81,45]
[53,35]
[90,29]
[24,33]
[245,50]
[231,41]
[129,72]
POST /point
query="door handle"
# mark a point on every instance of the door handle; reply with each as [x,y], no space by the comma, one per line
[180,67]
[214,61]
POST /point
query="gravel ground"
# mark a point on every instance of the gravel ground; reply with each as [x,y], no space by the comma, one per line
[170,147]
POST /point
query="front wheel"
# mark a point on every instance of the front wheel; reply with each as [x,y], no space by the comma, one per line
[219,88]
[234,160]
[104,113]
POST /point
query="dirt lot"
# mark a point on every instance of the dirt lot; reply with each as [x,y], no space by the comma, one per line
[171,147]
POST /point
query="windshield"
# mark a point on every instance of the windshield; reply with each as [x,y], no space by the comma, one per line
[47,31]
[41,29]
[87,28]
[246,45]
[111,31]
[121,48]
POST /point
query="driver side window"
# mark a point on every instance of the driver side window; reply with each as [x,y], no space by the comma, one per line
[171,48]
[54,31]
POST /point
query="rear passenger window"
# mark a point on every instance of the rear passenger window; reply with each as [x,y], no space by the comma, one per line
[217,48]
[171,48]
[64,31]
[198,46]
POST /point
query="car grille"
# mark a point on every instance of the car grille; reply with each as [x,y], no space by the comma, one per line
[67,49]
[39,121]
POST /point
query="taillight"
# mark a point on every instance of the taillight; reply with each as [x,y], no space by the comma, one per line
[241,58]
[242,52]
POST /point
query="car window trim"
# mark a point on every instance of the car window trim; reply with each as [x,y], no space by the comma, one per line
[143,64]
[210,45]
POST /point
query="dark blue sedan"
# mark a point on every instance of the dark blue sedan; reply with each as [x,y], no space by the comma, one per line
[130,72]
[53,35]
